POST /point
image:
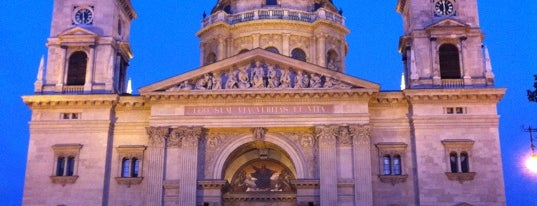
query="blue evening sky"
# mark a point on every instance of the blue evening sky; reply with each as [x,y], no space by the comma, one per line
[164,43]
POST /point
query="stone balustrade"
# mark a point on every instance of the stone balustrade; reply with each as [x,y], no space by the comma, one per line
[262,14]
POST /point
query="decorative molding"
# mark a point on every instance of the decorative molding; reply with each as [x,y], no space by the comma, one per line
[259,133]
[461,177]
[392,148]
[129,180]
[393,179]
[344,138]
[184,136]
[326,135]
[157,135]
[361,134]
[260,197]
[306,183]
[211,184]
[63,180]
[458,144]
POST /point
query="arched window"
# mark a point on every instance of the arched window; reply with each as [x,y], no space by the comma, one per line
[387,167]
[465,163]
[397,165]
[243,51]
[453,162]
[135,167]
[227,9]
[273,50]
[298,54]
[76,73]
[332,60]
[271,2]
[211,58]
[449,62]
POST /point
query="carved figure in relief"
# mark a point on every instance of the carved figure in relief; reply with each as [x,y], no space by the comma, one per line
[258,75]
[244,81]
[185,85]
[204,83]
[273,81]
[285,80]
[299,80]
[216,82]
[231,82]
[315,81]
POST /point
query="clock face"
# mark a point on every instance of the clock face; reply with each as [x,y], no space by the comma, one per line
[83,16]
[443,8]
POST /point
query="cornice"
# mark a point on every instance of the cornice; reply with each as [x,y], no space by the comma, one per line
[131,102]
[388,99]
[237,96]
[70,100]
[429,96]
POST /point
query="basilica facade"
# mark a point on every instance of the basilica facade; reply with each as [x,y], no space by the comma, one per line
[270,117]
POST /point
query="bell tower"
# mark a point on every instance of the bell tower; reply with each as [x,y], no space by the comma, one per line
[442,45]
[88,48]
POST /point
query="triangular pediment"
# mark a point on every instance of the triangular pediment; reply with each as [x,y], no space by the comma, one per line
[78,31]
[259,70]
[451,23]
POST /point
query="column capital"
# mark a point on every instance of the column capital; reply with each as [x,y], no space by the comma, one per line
[361,134]
[157,135]
[184,137]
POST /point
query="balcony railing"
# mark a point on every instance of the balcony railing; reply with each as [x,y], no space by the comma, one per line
[73,89]
[285,14]
[452,83]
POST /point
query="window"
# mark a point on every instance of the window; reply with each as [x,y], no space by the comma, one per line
[76,74]
[459,154]
[298,54]
[271,2]
[332,60]
[70,116]
[130,159]
[391,162]
[449,62]
[65,163]
[211,58]
[273,50]
[455,110]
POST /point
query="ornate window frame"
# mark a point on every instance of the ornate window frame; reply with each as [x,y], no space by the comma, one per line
[458,153]
[69,154]
[392,150]
[130,152]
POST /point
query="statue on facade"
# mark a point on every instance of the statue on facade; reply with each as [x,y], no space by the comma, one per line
[232,82]
[258,75]
[285,80]
[315,81]
[244,80]
[273,81]
[216,82]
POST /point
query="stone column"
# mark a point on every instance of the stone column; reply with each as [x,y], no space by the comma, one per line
[221,48]
[61,69]
[255,43]
[435,62]
[327,164]
[361,135]
[285,45]
[345,167]
[182,162]
[89,70]
[154,174]
[321,50]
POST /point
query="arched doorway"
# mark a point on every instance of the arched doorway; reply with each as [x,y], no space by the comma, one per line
[259,173]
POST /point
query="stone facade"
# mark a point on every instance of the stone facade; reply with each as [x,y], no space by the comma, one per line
[270,118]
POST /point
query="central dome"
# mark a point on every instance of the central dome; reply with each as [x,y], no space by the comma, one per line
[237,6]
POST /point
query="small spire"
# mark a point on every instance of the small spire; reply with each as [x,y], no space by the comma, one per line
[41,69]
[486,63]
[403,82]
[129,86]
[204,14]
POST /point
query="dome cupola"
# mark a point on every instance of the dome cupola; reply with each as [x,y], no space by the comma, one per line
[308,30]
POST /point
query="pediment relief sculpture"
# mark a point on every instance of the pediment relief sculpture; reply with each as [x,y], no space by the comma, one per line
[261,76]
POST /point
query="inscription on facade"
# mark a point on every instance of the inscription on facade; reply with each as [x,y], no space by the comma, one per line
[258,110]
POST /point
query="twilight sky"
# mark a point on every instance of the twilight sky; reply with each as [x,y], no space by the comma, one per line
[164,44]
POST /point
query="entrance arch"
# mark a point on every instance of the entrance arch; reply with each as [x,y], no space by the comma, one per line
[292,152]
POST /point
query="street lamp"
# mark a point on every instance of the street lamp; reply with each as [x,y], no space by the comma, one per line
[531,162]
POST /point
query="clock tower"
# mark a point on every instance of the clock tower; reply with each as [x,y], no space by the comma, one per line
[88,48]
[442,45]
